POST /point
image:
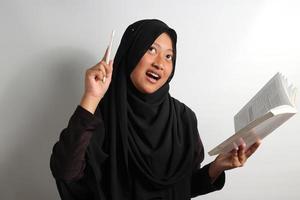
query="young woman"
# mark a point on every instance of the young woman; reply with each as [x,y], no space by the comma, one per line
[128,138]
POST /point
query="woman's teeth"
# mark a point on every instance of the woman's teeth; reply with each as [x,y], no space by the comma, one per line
[153,75]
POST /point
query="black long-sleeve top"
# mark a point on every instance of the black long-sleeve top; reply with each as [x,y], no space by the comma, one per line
[75,178]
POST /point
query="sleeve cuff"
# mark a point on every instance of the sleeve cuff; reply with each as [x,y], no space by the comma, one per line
[87,119]
[219,183]
[201,182]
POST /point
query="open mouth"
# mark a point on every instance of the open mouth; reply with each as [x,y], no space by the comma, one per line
[153,76]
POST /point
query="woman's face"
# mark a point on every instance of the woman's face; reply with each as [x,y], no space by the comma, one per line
[155,67]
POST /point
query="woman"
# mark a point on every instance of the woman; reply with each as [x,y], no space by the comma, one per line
[129,139]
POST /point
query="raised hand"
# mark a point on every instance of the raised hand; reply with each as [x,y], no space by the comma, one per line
[97,81]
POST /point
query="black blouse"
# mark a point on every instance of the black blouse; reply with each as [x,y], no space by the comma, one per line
[75,178]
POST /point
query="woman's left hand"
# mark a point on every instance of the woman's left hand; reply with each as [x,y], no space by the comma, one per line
[235,158]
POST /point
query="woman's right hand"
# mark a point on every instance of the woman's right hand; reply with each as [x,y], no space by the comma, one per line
[97,80]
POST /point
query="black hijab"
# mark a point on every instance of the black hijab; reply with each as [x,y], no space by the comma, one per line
[150,137]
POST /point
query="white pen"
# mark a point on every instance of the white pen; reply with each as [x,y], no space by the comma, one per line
[109,47]
[107,57]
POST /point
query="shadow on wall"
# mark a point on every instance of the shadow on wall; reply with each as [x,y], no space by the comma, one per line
[42,97]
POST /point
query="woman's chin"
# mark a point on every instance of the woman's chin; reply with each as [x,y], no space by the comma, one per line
[148,90]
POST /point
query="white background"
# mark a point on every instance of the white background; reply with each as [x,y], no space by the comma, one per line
[227,50]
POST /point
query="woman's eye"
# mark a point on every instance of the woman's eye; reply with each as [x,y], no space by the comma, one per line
[169,57]
[152,50]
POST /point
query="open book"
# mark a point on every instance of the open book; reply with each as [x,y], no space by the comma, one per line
[273,105]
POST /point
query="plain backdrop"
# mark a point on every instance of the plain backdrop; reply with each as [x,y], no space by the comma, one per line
[227,50]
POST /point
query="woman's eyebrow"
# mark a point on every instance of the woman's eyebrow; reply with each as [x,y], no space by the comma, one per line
[160,47]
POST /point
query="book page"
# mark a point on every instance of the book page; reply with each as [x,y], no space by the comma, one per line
[273,94]
[291,90]
[257,129]
[266,111]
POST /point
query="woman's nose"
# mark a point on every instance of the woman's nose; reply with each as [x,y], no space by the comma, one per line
[158,63]
[157,66]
